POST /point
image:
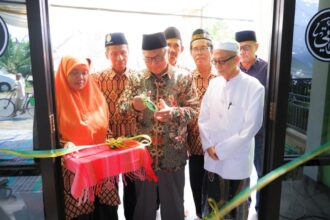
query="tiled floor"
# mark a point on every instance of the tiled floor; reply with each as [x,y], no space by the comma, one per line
[189,202]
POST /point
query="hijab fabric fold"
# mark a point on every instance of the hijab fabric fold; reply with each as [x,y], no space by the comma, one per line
[82,115]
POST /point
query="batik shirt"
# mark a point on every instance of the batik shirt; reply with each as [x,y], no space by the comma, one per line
[112,86]
[194,141]
[176,88]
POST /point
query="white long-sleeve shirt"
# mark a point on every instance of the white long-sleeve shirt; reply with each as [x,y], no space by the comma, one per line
[20,88]
[230,116]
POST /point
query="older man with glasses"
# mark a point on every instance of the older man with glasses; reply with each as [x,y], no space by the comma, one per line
[228,121]
[256,67]
[172,91]
[201,48]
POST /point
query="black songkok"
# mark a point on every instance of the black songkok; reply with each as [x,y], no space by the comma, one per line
[172,32]
[153,41]
[115,39]
[245,36]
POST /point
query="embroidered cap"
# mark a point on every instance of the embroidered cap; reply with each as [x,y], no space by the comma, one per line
[115,39]
[199,34]
[247,35]
[153,41]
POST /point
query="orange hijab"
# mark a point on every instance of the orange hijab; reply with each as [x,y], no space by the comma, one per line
[82,115]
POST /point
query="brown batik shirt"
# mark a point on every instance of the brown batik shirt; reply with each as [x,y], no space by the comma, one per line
[112,86]
[194,141]
[169,139]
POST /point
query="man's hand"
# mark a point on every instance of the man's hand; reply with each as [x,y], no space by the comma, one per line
[212,153]
[164,113]
[138,104]
[69,144]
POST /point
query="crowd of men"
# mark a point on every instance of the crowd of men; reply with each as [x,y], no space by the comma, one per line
[211,116]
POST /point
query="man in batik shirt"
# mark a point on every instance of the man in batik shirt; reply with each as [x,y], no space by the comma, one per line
[175,47]
[201,49]
[175,96]
[112,82]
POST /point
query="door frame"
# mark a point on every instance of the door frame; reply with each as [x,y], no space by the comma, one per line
[43,81]
[277,105]
[279,70]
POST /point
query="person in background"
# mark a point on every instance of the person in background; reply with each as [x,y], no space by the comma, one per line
[227,129]
[174,50]
[175,46]
[20,94]
[112,82]
[254,66]
[82,116]
[201,49]
[172,91]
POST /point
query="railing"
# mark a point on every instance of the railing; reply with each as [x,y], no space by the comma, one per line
[298,104]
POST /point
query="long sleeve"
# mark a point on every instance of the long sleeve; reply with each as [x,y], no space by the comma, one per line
[203,120]
[133,89]
[187,106]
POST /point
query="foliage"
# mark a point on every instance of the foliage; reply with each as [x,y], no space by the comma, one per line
[16,59]
[219,31]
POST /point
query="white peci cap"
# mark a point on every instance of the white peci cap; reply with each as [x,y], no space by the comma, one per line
[228,45]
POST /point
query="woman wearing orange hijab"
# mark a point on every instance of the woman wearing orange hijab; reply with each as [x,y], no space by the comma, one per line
[83,117]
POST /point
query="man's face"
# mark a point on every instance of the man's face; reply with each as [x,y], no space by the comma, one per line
[225,62]
[248,51]
[201,52]
[118,55]
[155,60]
[175,48]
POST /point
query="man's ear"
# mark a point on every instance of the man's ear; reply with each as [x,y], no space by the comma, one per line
[257,46]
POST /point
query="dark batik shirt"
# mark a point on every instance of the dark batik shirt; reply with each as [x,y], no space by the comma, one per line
[193,141]
[169,140]
[112,86]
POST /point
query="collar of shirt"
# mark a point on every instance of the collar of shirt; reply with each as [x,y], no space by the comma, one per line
[113,73]
[197,74]
[257,60]
[169,73]
[233,80]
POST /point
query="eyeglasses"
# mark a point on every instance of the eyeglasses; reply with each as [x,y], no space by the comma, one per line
[222,62]
[246,47]
[199,49]
[156,59]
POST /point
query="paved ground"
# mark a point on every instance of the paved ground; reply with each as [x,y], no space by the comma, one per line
[20,122]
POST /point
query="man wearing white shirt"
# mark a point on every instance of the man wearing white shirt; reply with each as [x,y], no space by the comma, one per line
[230,116]
[20,94]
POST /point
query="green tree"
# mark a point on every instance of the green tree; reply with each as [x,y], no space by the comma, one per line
[219,30]
[16,59]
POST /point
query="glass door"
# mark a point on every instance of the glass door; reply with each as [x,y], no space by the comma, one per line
[21,194]
[299,112]
[306,190]
[28,187]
